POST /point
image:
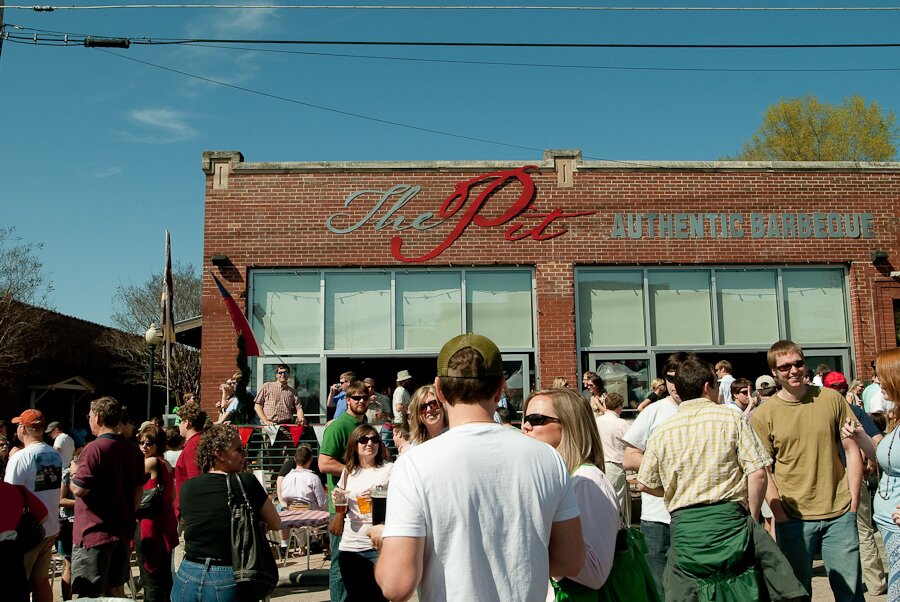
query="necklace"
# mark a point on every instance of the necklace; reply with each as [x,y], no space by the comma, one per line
[889,486]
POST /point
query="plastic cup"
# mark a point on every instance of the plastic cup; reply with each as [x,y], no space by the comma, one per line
[379,507]
[365,504]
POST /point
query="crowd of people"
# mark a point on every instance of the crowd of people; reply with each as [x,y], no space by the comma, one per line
[741,484]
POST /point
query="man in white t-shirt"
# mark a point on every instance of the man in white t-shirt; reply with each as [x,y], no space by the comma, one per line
[62,443]
[723,373]
[37,466]
[655,518]
[480,512]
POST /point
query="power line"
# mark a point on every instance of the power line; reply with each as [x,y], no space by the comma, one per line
[46,8]
[348,113]
[151,41]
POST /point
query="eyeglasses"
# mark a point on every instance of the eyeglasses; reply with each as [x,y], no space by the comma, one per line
[146,443]
[434,404]
[539,419]
[787,367]
[280,372]
[670,378]
[365,439]
[359,397]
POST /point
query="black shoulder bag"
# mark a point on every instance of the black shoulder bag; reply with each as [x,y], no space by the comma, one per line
[255,570]
[29,532]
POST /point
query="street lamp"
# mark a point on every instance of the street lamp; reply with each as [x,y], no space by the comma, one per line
[153,337]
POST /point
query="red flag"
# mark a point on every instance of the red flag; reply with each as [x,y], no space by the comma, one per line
[245,432]
[238,319]
[296,431]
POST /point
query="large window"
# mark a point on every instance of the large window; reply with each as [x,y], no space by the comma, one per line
[286,311]
[371,311]
[611,309]
[701,308]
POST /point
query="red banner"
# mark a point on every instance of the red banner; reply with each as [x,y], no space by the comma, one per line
[296,431]
[245,432]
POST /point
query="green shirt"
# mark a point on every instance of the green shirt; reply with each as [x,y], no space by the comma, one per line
[334,444]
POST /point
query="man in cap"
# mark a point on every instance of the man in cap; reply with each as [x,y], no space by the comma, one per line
[765,388]
[37,466]
[107,485]
[499,530]
[61,442]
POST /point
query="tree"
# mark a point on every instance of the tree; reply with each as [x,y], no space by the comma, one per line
[136,306]
[23,286]
[804,129]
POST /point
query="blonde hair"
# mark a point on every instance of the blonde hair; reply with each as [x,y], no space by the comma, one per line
[887,367]
[417,431]
[580,443]
[560,383]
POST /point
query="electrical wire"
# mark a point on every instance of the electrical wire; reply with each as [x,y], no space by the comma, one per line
[50,8]
[350,113]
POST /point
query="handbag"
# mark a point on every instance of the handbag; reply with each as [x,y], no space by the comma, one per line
[336,524]
[151,501]
[29,532]
[255,570]
[630,578]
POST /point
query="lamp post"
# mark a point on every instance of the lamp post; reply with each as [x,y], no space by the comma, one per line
[153,337]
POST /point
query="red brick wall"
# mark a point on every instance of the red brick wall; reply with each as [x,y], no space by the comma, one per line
[276,219]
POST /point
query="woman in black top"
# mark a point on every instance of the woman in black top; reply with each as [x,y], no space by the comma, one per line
[205,574]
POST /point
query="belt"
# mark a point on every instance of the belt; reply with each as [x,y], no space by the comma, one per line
[212,561]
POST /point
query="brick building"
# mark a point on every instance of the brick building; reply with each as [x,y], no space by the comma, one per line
[567,264]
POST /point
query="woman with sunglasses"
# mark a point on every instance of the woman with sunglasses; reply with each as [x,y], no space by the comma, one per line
[597,389]
[367,467]
[157,534]
[206,573]
[427,418]
[560,418]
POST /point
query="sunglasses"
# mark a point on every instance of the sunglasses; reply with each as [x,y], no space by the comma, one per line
[745,391]
[539,419]
[431,405]
[359,397]
[146,444]
[787,367]
[365,439]
[280,372]
[670,378]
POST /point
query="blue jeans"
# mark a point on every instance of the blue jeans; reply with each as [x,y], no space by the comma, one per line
[839,538]
[335,583]
[195,582]
[657,537]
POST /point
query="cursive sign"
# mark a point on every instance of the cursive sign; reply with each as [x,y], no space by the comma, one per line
[466,211]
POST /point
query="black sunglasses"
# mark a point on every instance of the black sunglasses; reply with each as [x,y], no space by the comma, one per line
[538,419]
[359,397]
[431,405]
[369,439]
[787,367]
[670,378]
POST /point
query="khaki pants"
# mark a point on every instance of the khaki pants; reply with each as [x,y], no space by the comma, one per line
[616,474]
[870,555]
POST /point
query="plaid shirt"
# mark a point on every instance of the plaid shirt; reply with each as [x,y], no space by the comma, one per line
[279,403]
[702,455]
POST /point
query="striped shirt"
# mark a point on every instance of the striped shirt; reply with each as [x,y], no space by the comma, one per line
[702,455]
[279,403]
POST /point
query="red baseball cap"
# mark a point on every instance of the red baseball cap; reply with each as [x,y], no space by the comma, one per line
[30,418]
[835,380]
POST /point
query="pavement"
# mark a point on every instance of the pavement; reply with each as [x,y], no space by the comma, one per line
[299,584]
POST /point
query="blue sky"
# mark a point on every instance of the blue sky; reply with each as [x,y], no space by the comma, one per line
[101,154]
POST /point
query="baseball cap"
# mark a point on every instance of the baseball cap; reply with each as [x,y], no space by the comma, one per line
[50,427]
[833,379]
[30,418]
[765,382]
[493,362]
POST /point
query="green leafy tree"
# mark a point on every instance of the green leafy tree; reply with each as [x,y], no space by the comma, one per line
[804,129]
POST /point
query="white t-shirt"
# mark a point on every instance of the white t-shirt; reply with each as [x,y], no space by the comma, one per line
[725,389]
[356,525]
[66,448]
[304,484]
[38,468]
[484,498]
[611,427]
[600,522]
[653,508]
